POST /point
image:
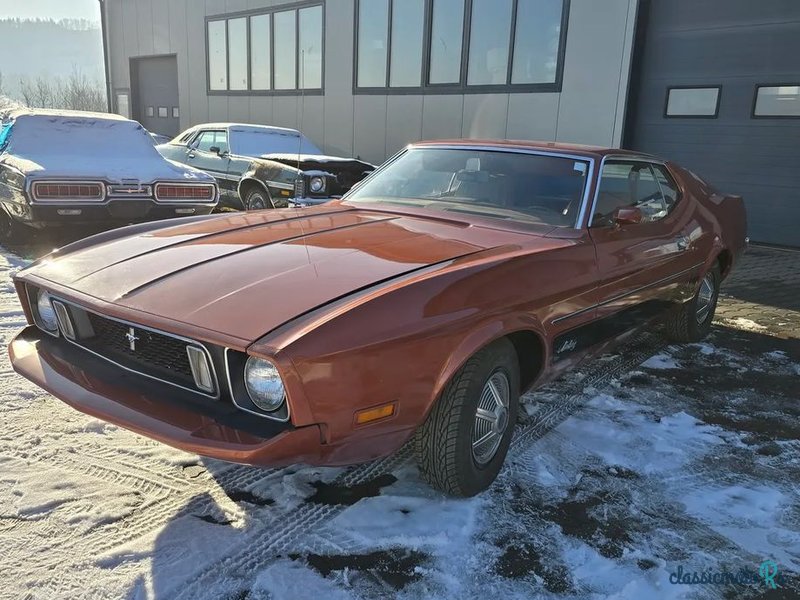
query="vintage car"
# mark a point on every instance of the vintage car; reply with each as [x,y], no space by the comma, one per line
[62,168]
[455,278]
[260,167]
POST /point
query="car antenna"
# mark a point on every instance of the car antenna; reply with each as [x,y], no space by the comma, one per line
[302,104]
[299,178]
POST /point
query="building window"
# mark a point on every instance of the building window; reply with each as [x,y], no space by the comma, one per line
[310,56]
[261,52]
[237,54]
[447,33]
[490,31]
[459,45]
[285,50]
[279,51]
[408,23]
[373,43]
[217,55]
[696,102]
[537,35]
[777,101]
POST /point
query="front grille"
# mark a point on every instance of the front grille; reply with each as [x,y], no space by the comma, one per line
[144,351]
[299,188]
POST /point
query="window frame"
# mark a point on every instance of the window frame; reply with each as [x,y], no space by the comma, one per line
[704,86]
[461,87]
[296,91]
[753,114]
[622,158]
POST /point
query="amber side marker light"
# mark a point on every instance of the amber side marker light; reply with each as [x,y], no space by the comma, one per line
[375,414]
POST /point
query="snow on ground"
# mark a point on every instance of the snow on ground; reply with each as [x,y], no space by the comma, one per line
[688,461]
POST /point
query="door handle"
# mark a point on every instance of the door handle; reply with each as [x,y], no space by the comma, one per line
[191,155]
[682,243]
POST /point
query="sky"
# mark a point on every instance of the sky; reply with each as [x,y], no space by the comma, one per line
[53,9]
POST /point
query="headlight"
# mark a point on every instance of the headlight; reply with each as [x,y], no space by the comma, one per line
[317,184]
[47,315]
[264,384]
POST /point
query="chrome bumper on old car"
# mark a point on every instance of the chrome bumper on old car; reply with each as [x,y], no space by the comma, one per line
[119,211]
[172,388]
[158,408]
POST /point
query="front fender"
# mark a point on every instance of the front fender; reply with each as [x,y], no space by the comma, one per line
[479,338]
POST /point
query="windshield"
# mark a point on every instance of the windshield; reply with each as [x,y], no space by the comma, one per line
[258,143]
[37,136]
[541,189]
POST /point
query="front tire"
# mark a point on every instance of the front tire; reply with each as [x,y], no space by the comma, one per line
[691,321]
[464,441]
[257,199]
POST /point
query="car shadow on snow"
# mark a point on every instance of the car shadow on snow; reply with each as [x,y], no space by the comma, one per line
[34,244]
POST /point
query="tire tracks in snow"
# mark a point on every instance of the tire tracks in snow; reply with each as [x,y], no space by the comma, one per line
[258,551]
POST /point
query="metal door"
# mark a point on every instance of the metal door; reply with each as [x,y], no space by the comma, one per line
[155,91]
[718,54]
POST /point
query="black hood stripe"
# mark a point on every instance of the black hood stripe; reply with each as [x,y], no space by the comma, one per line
[248,249]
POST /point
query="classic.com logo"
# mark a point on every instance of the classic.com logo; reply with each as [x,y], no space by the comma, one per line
[767,573]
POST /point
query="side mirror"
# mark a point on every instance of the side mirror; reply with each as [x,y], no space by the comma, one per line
[628,215]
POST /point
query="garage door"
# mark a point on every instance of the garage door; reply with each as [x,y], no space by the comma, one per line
[155,93]
[716,87]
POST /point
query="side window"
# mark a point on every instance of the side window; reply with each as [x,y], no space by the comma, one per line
[222,141]
[624,184]
[205,141]
[211,139]
[668,186]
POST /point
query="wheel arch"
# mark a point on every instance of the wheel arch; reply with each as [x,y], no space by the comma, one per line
[526,336]
[725,261]
[247,184]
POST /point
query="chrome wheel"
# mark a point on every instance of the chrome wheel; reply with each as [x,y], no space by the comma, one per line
[491,418]
[256,201]
[705,298]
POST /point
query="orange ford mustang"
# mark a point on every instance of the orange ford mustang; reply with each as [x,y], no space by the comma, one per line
[457,276]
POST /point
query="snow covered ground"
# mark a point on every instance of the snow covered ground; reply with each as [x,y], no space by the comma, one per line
[652,459]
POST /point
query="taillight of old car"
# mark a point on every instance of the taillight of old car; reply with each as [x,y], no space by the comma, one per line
[177,192]
[88,191]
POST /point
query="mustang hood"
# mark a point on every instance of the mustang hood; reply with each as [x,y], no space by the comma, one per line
[246,274]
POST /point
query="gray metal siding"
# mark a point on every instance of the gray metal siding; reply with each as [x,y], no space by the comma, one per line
[587,110]
[736,44]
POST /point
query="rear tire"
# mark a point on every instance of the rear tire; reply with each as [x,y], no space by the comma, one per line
[257,198]
[450,453]
[691,321]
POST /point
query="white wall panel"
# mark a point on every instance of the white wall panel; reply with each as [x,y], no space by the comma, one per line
[589,109]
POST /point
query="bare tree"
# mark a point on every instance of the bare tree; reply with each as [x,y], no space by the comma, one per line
[76,92]
[26,90]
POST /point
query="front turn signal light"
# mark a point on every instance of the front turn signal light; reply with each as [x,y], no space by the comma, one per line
[375,414]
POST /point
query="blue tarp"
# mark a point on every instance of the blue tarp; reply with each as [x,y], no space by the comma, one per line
[5,133]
